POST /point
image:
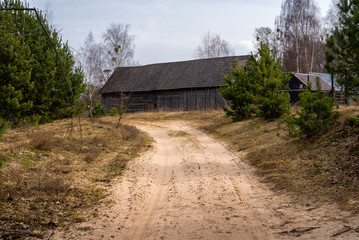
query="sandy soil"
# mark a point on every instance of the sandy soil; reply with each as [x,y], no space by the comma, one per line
[189,186]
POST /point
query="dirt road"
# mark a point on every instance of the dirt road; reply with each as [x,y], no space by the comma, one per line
[189,186]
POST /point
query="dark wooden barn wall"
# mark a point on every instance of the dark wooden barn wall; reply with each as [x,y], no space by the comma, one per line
[294,96]
[171,100]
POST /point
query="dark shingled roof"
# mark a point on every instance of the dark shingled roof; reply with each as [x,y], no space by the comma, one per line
[312,78]
[174,75]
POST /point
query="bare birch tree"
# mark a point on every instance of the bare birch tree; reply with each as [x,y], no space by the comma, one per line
[268,37]
[118,46]
[213,46]
[92,64]
[331,20]
[302,37]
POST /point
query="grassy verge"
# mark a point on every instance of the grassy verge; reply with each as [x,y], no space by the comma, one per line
[47,177]
[322,169]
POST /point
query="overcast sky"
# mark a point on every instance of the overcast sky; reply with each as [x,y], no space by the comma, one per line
[166,30]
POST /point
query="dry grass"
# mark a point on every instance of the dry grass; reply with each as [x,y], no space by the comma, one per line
[46,181]
[42,140]
[92,154]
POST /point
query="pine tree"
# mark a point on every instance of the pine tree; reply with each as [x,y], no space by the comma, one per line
[271,97]
[35,85]
[239,90]
[316,115]
[343,44]
[15,70]
[256,88]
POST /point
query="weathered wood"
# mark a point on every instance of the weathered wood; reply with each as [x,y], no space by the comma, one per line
[171,100]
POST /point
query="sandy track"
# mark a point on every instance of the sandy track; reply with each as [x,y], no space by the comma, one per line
[189,186]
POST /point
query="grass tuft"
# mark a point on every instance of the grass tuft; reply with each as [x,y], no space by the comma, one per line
[92,154]
[42,140]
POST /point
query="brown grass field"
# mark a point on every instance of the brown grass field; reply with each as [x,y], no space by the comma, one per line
[52,173]
[49,178]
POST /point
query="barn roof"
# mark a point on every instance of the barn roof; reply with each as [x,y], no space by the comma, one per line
[312,78]
[173,75]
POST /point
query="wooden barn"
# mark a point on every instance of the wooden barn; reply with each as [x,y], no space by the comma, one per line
[174,86]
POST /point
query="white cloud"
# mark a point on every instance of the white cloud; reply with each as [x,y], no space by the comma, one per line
[243,47]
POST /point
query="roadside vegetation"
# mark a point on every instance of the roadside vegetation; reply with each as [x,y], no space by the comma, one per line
[316,116]
[50,175]
[322,169]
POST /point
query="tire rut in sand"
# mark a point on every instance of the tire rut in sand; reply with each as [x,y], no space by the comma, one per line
[139,227]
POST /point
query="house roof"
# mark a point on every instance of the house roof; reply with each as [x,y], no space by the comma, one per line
[312,78]
[173,75]
[328,78]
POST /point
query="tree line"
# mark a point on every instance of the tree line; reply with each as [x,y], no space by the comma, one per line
[38,86]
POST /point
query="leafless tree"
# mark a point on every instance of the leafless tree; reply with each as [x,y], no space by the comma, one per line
[118,46]
[302,37]
[213,46]
[92,64]
[331,20]
[268,37]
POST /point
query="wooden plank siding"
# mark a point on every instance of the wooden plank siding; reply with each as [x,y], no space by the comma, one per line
[174,86]
[168,100]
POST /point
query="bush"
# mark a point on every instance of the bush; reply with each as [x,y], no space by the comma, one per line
[316,115]
[352,121]
[113,111]
[98,110]
[120,111]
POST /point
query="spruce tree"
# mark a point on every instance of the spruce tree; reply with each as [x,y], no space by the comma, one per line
[342,56]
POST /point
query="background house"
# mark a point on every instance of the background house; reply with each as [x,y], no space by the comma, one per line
[174,86]
[299,82]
